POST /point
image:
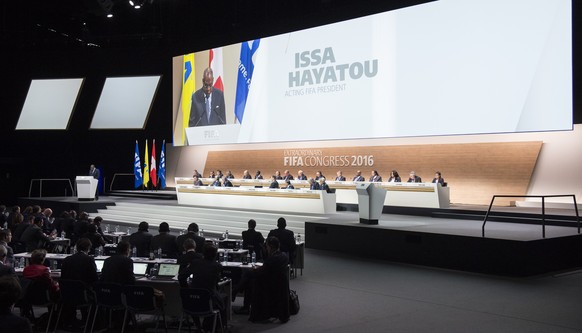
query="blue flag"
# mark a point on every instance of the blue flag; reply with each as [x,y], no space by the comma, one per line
[137,167]
[162,167]
[245,75]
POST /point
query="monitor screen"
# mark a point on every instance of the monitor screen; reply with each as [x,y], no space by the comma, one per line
[140,268]
[168,270]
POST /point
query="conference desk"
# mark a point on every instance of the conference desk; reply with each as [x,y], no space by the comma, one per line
[265,199]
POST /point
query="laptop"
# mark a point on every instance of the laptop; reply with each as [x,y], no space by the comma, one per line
[99,264]
[168,271]
[140,268]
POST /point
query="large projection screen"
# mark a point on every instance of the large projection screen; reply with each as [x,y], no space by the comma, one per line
[125,102]
[49,104]
[448,67]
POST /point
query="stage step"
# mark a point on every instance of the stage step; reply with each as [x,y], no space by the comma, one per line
[213,221]
[163,195]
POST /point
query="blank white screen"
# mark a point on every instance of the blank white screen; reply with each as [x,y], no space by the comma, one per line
[49,104]
[125,102]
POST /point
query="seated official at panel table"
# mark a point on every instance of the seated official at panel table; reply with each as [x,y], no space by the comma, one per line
[358,177]
[274,183]
[394,177]
[438,178]
[340,177]
[301,175]
[207,103]
[413,178]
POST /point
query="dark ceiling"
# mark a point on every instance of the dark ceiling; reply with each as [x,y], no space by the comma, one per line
[173,23]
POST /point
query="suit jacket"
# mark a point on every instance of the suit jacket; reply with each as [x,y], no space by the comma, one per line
[227,183]
[274,184]
[79,266]
[184,260]
[142,240]
[34,238]
[324,187]
[9,253]
[118,269]
[206,274]
[440,180]
[200,241]
[394,179]
[270,293]
[198,183]
[198,115]
[304,177]
[288,177]
[259,177]
[377,179]
[314,186]
[247,177]
[167,243]
[359,179]
[95,173]
[340,179]
[415,180]
[6,270]
[286,240]
[253,241]
[19,231]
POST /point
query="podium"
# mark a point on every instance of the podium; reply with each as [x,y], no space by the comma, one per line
[86,188]
[370,202]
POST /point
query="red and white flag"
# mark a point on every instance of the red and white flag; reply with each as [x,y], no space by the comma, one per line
[215,63]
[153,172]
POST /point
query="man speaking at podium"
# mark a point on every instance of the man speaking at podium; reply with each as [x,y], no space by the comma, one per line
[95,173]
[207,103]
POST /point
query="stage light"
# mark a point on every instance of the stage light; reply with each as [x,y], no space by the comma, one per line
[109,15]
[131,3]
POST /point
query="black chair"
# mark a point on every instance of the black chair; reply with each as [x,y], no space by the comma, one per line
[141,300]
[75,295]
[35,293]
[107,296]
[197,303]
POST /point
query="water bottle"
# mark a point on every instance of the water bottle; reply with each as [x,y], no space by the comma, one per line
[226,234]
[159,253]
[154,270]
[63,235]
[201,234]
[134,252]
[254,258]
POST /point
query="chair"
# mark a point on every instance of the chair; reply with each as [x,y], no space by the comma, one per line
[107,296]
[197,302]
[75,294]
[35,293]
[141,300]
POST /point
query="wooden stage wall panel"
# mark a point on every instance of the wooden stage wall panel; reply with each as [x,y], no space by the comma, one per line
[474,171]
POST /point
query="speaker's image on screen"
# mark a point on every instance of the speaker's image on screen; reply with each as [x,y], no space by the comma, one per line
[448,67]
[49,104]
[125,102]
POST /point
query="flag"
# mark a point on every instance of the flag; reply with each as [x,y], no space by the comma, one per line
[146,167]
[245,75]
[215,62]
[137,167]
[162,169]
[188,88]
[153,173]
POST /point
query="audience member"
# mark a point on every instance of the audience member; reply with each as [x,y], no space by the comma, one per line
[94,237]
[226,182]
[165,241]
[318,174]
[4,268]
[118,268]
[185,259]
[37,271]
[10,292]
[142,240]
[191,234]
[5,239]
[80,266]
[20,225]
[253,240]
[33,237]
[229,175]
[197,181]
[47,220]
[196,174]
[286,238]
[97,222]
[3,217]
[216,182]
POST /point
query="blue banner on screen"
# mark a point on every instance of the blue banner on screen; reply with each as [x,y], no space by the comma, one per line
[137,167]
[245,76]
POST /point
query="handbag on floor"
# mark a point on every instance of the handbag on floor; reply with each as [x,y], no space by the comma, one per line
[293,302]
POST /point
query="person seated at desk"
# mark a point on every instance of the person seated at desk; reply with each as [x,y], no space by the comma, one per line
[229,175]
[278,175]
[318,174]
[38,272]
[226,182]
[5,269]
[258,175]
[413,178]
[5,239]
[165,241]
[358,177]
[95,238]
[253,240]
[301,175]
[285,237]
[118,268]
[142,240]
[185,259]
[313,185]
[266,286]
[33,236]
[97,222]
[211,175]
[394,177]
[289,186]
[287,175]
[323,185]
[339,177]
[191,234]
[274,183]
[10,292]
[80,266]
[216,182]
[247,175]
[438,178]
[219,173]
[196,174]
[197,182]
[375,177]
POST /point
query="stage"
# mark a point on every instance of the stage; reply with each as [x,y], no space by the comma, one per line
[447,238]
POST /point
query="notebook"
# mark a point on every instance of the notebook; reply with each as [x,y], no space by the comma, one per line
[140,268]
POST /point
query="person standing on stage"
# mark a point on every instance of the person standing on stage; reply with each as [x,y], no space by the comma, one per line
[207,103]
[95,173]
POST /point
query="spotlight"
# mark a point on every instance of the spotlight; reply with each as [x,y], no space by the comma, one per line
[131,3]
[109,15]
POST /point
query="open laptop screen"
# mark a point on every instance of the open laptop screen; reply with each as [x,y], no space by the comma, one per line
[168,270]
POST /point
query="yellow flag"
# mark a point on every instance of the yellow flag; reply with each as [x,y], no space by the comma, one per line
[188,88]
[146,167]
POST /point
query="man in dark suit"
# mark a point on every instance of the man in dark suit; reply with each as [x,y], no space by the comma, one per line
[207,103]
[258,175]
[80,266]
[185,259]
[301,175]
[142,240]
[5,239]
[253,240]
[119,267]
[33,236]
[246,175]
[286,237]
[375,177]
[340,177]
[287,175]
[313,185]
[4,268]
[95,173]
[274,183]
[197,181]
[358,177]
[323,185]
[413,178]
[191,234]
[165,241]
[226,182]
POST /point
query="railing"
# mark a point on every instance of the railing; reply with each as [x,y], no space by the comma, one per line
[543,219]
[115,175]
[40,181]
